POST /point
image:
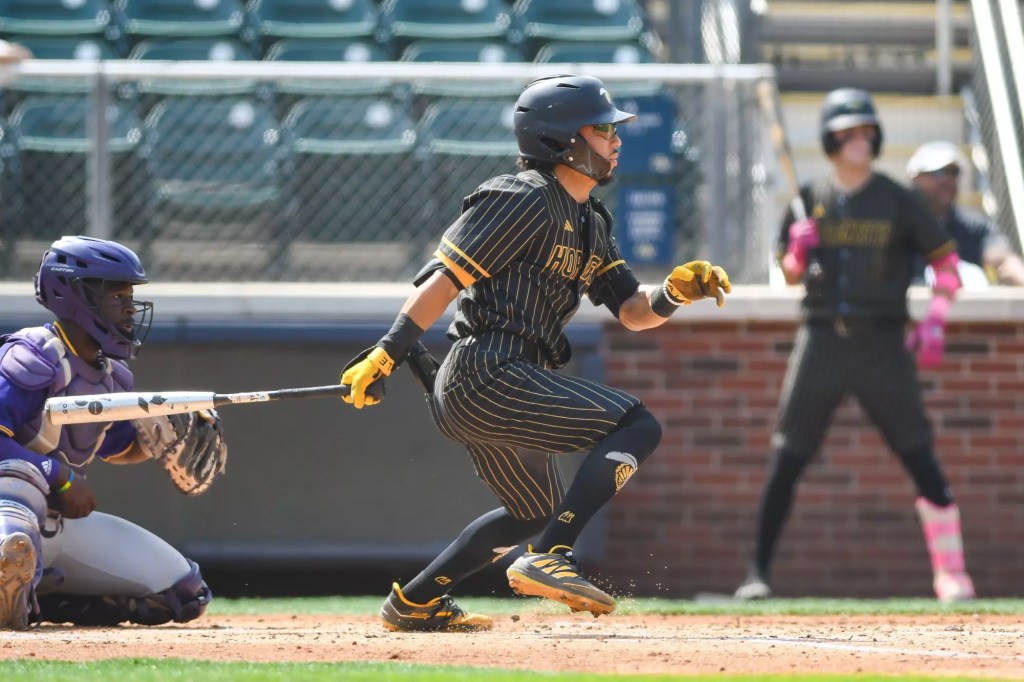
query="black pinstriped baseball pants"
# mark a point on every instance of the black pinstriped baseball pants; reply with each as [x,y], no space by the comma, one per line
[869,362]
[514,415]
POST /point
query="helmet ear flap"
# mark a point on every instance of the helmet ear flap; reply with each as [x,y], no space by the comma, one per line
[829,144]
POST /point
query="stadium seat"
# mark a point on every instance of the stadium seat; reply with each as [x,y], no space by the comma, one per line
[408,20]
[458,51]
[180,18]
[603,53]
[86,48]
[327,50]
[542,21]
[38,17]
[194,49]
[596,53]
[277,19]
[83,47]
[51,133]
[355,170]
[467,141]
[217,165]
[453,51]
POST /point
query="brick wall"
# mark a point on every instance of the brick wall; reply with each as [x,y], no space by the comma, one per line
[685,523]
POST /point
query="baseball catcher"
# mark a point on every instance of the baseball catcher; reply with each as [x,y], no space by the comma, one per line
[60,560]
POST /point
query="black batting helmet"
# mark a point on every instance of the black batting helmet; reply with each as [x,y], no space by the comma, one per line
[549,114]
[848,108]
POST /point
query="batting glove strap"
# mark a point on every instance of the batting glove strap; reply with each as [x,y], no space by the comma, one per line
[396,343]
[664,303]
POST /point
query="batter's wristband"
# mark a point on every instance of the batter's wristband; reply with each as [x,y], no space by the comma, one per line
[67,484]
[397,342]
[662,304]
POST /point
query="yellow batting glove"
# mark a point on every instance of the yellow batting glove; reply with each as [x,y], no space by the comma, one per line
[366,369]
[696,280]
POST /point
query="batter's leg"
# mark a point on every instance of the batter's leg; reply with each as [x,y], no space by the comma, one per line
[815,383]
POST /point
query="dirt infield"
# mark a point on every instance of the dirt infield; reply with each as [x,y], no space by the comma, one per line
[990,646]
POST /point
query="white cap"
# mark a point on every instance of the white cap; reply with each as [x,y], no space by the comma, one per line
[933,156]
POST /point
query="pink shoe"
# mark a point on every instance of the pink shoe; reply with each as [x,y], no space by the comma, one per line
[941,526]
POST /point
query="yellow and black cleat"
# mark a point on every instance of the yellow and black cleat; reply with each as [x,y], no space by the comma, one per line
[437,615]
[554,575]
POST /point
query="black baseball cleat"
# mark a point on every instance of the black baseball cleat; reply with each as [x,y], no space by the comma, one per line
[755,586]
[17,570]
[441,614]
[555,575]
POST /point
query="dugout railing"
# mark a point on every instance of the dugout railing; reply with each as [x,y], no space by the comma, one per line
[309,171]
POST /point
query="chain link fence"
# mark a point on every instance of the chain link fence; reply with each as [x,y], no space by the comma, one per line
[307,172]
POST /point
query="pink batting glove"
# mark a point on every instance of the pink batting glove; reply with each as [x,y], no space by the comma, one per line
[803,236]
[928,340]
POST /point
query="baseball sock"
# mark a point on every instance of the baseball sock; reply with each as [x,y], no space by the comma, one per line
[775,505]
[603,472]
[476,547]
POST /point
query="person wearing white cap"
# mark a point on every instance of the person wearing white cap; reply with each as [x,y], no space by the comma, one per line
[11,53]
[935,170]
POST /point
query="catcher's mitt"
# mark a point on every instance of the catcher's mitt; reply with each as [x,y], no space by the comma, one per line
[189,446]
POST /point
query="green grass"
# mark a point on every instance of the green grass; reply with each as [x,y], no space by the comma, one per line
[499,607]
[154,670]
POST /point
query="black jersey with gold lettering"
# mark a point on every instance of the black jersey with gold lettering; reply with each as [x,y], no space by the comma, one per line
[524,253]
[869,238]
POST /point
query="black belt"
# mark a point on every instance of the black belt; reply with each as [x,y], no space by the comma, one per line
[846,327]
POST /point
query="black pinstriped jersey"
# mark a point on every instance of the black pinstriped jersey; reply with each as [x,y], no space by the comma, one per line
[865,262]
[524,253]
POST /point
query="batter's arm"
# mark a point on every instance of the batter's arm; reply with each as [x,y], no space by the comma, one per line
[426,305]
[636,313]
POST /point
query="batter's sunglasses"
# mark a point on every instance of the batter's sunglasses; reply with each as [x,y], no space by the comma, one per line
[605,130]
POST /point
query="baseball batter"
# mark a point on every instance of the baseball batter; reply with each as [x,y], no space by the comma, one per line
[855,258]
[523,254]
[60,560]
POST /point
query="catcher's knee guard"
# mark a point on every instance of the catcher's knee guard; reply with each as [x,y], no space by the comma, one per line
[22,511]
[183,601]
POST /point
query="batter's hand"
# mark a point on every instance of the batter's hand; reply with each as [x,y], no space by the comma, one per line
[928,342]
[367,370]
[696,280]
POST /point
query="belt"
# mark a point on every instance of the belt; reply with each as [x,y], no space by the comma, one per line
[846,327]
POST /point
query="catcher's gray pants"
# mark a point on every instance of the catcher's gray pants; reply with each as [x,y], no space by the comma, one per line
[494,394]
[869,360]
[108,556]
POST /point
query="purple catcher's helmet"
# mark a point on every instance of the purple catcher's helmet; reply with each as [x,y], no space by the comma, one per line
[61,288]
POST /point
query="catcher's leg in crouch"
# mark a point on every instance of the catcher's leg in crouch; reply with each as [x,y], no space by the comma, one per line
[23,493]
[107,571]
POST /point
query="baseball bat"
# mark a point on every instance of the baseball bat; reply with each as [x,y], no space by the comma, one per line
[771,106]
[110,407]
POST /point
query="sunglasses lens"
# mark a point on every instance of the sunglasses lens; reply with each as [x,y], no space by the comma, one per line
[605,130]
